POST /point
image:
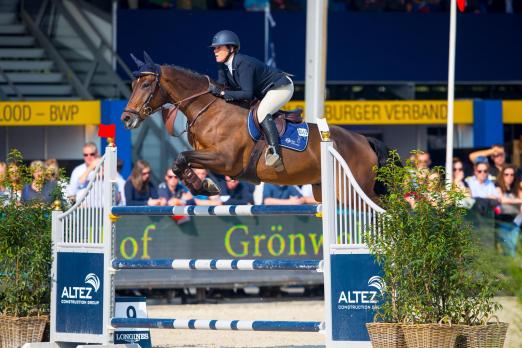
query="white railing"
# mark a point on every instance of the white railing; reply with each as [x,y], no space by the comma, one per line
[356,214]
[83,222]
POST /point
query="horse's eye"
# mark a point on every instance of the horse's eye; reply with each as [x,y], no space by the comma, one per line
[145,85]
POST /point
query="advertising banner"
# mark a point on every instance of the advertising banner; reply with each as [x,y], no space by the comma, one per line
[356,288]
[391,112]
[50,113]
[131,307]
[269,237]
[79,300]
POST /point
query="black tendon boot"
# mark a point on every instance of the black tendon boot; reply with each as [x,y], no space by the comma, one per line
[273,153]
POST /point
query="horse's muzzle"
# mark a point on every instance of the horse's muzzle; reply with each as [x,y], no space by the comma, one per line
[130,120]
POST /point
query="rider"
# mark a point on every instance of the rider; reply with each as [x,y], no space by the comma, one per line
[246,78]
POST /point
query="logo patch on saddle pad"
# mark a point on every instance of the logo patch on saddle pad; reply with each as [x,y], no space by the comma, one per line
[294,138]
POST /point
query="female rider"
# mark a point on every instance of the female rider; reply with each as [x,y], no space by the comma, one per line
[246,78]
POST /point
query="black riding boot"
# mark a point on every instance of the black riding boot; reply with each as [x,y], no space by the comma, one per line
[273,153]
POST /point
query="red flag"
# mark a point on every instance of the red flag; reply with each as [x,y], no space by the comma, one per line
[461,5]
[107,131]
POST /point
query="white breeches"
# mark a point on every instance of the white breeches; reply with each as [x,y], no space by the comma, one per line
[274,100]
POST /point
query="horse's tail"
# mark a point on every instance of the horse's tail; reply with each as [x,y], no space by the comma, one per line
[382,151]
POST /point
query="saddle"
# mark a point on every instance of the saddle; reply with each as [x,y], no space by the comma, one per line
[280,118]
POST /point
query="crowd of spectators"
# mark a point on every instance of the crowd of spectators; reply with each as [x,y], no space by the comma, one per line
[138,189]
[493,185]
[41,187]
[416,6]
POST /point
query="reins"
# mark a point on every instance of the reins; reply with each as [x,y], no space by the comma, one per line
[145,110]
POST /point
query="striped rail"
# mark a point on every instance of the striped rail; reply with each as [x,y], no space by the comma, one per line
[220,265]
[234,325]
[220,210]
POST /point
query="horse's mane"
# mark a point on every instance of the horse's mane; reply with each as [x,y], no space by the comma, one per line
[189,72]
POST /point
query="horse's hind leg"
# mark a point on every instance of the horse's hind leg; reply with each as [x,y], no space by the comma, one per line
[181,168]
[316,189]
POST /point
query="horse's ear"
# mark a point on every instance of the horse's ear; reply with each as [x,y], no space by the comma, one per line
[138,62]
[148,59]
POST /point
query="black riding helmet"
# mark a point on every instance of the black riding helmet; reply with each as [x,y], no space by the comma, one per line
[225,38]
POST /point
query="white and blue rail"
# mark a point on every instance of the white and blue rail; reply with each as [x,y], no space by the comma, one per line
[233,325]
[220,264]
[220,210]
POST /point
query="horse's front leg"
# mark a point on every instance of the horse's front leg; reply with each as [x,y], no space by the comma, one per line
[181,167]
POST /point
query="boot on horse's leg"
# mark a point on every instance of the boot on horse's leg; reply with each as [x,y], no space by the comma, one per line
[273,153]
[197,187]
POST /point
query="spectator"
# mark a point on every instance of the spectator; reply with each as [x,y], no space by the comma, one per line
[422,160]
[36,190]
[221,4]
[369,5]
[14,182]
[480,185]
[173,192]
[395,5]
[205,200]
[80,174]
[509,189]
[281,194]
[458,177]
[235,192]
[505,6]
[510,215]
[256,5]
[308,194]
[424,6]
[191,4]
[139,190]
[4,194]
[120,181]
[497,158]
[53,180]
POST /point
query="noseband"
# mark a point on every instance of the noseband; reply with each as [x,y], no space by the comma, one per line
[145,110]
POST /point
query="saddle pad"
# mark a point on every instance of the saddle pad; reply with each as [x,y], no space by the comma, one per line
[294,138]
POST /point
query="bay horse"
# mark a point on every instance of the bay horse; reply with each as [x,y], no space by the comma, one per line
[217,131]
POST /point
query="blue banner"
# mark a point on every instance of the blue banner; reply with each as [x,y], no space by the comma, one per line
[79,298]
[356,289]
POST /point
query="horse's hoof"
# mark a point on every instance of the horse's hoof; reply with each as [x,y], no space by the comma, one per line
[210,188]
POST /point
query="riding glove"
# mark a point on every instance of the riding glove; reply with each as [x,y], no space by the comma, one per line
[216,90]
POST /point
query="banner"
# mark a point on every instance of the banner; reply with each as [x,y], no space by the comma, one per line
[512,112]
[268,237]
[50,113]
[345,112]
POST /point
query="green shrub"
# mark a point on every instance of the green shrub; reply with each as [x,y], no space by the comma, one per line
[432,265]
[25,252]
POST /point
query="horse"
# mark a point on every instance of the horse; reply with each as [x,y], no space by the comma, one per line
[217,130]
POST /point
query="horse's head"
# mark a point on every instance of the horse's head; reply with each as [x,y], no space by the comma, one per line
[146,95]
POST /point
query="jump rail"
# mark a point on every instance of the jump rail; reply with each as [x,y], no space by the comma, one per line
[234,325]
[222,210]
[221,265]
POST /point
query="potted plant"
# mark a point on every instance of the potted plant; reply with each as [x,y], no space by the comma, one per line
[25,260]
[431,264]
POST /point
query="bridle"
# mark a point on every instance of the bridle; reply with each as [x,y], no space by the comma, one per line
[145,110]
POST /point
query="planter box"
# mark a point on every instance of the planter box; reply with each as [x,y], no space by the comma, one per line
[386,335]
[491,335]
[15,331]
[430,335]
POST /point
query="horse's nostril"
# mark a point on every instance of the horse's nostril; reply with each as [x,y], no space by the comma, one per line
[126,117]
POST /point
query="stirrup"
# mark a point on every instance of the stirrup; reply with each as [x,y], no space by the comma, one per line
[273,159]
